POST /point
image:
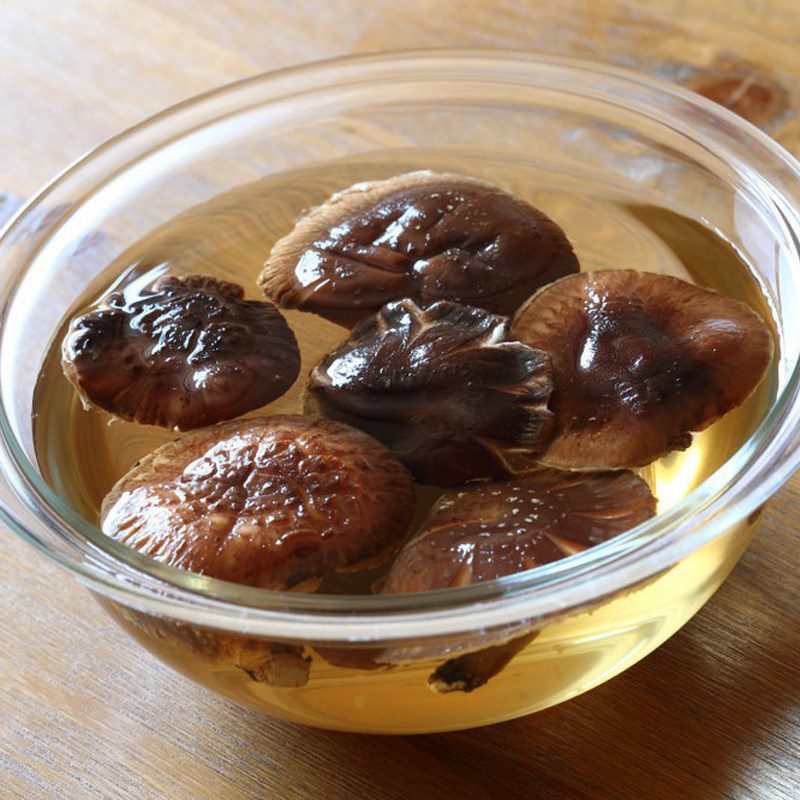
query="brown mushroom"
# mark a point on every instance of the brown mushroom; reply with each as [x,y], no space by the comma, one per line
[273,502]
[488,530]
[491,530]
[266,502]
[184,353]
[441,386]
[425,235]
[639,362]
[472,670]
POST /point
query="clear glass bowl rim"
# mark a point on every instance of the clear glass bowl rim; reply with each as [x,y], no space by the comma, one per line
[739,487]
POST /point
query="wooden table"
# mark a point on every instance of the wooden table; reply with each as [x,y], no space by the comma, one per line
[715,713]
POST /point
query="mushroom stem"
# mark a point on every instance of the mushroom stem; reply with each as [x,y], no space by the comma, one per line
[281,665]
[472,670]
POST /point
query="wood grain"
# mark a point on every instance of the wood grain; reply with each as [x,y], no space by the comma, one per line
[714,713]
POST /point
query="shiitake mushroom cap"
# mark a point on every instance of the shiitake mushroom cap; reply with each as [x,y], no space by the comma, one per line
[424,235]
[268,502]
[441,386]
[489,530]
[640,361]
[183,353]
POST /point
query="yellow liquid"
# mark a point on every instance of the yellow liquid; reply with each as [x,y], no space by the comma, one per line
[81,454]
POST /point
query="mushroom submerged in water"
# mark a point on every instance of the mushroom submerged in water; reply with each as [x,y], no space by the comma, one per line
[600,371]
[266,502]
[183,353]
[490,530]
[442,387]
[270,502]
[424,235]
[639,362]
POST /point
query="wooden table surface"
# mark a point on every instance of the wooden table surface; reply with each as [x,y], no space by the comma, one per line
[84,712]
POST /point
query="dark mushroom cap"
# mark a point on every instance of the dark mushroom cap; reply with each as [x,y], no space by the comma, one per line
[425,235]
[491,530]
[183,353]
[267,502]
[442,387]
[639,361]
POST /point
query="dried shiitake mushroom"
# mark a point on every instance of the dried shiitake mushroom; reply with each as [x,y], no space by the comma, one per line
[268,502]
[424,235]
[183,353]
[490,530]
[441,386]
[639,362]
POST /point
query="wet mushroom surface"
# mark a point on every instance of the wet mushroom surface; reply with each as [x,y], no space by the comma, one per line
[490,530]
[182,353]
[268,502]
[640,361]
[442,387]
[424,235]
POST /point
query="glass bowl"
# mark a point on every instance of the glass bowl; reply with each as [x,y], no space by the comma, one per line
[560,124]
